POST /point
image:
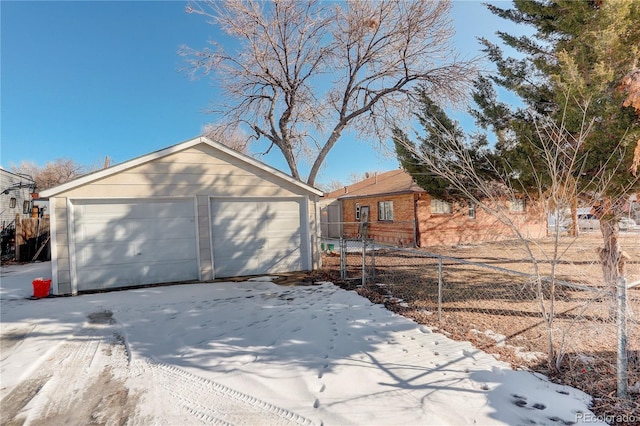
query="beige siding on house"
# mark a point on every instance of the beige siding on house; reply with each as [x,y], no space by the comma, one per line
[314,231]
[62,246]
[188,173]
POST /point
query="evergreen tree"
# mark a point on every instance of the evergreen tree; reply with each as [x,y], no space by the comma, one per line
[439,134]
[578,72]
[571,68]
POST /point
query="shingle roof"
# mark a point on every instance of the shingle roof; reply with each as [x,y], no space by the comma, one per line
[393,182]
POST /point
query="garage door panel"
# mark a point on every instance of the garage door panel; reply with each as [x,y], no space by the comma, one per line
[249,263]
[134,252]
[117,230]
[103,211]
[134,242]
[228,267]
[233,247]
[112,254]
[130,275]
[252,237]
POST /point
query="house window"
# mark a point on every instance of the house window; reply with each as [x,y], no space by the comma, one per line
[472,210]
[516,206]
[440,207]
[357,211]
[12,203]
[26,207]
[385,210]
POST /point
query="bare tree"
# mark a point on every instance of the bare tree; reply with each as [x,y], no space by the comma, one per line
[354,177]
[331,185]
[230,136]
[51,174]
[307,71]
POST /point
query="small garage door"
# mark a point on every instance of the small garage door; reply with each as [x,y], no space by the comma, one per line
[252,237]
[122,243]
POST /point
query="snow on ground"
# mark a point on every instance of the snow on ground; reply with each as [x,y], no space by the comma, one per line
[250,353]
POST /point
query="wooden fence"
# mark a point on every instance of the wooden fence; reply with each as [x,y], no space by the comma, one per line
[32,239]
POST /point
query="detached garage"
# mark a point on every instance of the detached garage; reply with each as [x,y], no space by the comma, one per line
[195,211]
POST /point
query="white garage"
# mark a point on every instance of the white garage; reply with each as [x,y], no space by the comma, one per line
[196,211]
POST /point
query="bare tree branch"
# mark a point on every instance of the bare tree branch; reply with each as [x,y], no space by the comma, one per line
[53,173]
[305,71]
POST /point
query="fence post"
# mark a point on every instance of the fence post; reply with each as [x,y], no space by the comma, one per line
[440,280]
[364,261]
[343,272]
[373,261]
[623,378]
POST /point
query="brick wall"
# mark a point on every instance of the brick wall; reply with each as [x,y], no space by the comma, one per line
[399,232]
[458,228]
[434,229]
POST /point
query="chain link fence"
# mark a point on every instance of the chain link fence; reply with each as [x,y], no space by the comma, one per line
[541,306]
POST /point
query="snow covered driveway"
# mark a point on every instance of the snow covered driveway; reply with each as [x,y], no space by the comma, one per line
[250,353]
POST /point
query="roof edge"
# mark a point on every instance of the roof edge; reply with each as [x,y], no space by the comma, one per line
[380,194]
[20,175]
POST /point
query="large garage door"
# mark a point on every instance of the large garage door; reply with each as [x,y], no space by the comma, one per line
[257,237]
[122,243]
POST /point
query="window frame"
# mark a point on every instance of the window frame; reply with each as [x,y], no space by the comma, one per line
[357,212]
[385,211]
[437,206]
[472,210]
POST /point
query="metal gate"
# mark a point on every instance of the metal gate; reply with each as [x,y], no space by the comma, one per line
[357,259]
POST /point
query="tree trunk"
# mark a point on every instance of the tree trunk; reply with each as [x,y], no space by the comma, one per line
[333,138]
[287,153]
[611,255]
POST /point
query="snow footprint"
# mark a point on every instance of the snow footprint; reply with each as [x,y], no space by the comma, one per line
[521,401]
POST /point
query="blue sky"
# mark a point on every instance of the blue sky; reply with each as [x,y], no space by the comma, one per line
[90,79]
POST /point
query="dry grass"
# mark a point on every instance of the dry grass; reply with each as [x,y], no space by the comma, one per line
[500,312]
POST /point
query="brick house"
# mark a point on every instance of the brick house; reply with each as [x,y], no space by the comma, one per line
[392,209]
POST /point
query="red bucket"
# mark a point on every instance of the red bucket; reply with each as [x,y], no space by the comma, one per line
[41,287]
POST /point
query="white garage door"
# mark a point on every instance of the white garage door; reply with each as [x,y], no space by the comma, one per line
[253,237]
[121,243]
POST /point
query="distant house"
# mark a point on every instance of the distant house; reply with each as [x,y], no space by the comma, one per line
[392,209]
[15,196]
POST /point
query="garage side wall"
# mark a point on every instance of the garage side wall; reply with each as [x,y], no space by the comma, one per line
[315,232]
[60,247]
